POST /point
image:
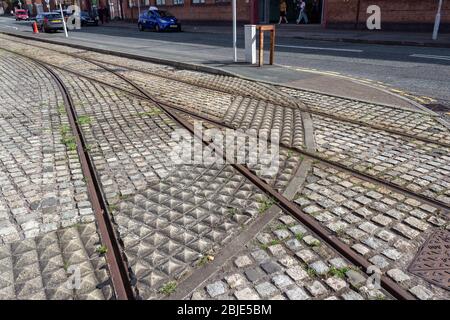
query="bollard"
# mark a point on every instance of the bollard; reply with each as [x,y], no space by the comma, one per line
[35,28]
[250,43]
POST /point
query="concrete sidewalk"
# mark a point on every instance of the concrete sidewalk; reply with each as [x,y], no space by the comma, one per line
[317,32]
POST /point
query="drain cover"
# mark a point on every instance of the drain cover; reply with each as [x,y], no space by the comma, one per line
[432,263]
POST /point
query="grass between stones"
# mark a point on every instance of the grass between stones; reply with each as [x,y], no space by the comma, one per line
[168,288]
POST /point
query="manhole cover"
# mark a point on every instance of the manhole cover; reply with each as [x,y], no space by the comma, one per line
[432,263]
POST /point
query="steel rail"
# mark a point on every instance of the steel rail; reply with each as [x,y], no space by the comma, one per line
[288,105]
[393,288]
[117,267]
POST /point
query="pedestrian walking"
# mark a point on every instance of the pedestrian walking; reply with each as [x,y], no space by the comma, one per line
[283,9]
[302,14]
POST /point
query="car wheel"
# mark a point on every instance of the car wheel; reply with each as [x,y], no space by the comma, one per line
[157,28]
[140,27]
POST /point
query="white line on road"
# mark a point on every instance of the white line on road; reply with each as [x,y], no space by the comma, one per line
[4,26]
[429,56]
[318,48]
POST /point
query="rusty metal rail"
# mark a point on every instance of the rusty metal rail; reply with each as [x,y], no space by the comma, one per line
[117,266]
[394,289]
[120,272]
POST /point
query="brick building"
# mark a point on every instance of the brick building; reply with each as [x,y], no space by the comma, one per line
[395,14]
[414,15]
[417,15]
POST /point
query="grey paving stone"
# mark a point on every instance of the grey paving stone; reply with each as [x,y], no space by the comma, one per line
[288,261]
[307,255]
[297,273]
[386,235]
[421,292]
[398,275]
[216,288]
[355,278]
[266,289]
[351,295]
[294,245]
[320,267]
[243,261]
[270,267]
[336,283]
[363,250]
[297,293]
[298,229]
[264,238]
[311,241]
[282,234]
[392,254]
[379,261]
[406,231]
[372,242]
[287,219]
[235,280]
[317,289]
[338,263]
[277,250]
[281,281]
[260,255]
[254,274]
[246,294]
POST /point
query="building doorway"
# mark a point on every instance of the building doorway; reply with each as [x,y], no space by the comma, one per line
[269,11]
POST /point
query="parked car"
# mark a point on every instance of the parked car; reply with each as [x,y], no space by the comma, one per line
[49,22]
[66,13]
[158,20]
[21,14]
[87,19]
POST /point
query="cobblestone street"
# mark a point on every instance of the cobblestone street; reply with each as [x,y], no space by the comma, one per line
[357,210]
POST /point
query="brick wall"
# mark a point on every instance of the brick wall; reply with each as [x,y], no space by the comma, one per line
[395,14]
[210,11]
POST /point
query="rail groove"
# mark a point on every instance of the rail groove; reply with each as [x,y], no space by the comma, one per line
[117,266]
[393,288]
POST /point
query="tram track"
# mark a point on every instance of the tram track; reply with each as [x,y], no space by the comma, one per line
[288,104]
[115,260]
[312,155]
[309,154]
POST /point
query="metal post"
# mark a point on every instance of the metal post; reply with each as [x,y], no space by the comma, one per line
[234,30]
[63,20]
[139,8]
[437,21]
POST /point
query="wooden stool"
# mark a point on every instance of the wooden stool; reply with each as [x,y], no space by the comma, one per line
[262,28]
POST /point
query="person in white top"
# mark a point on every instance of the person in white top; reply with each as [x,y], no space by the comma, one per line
[302,14]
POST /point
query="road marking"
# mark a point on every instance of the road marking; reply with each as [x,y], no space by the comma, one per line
[318,48]
[429,56]
[5,26]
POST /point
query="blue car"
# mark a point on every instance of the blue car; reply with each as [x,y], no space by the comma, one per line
[158,20]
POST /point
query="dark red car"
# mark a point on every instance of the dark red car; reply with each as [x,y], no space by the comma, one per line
[21,14]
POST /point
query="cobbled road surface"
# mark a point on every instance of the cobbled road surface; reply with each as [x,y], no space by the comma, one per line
[205,231]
